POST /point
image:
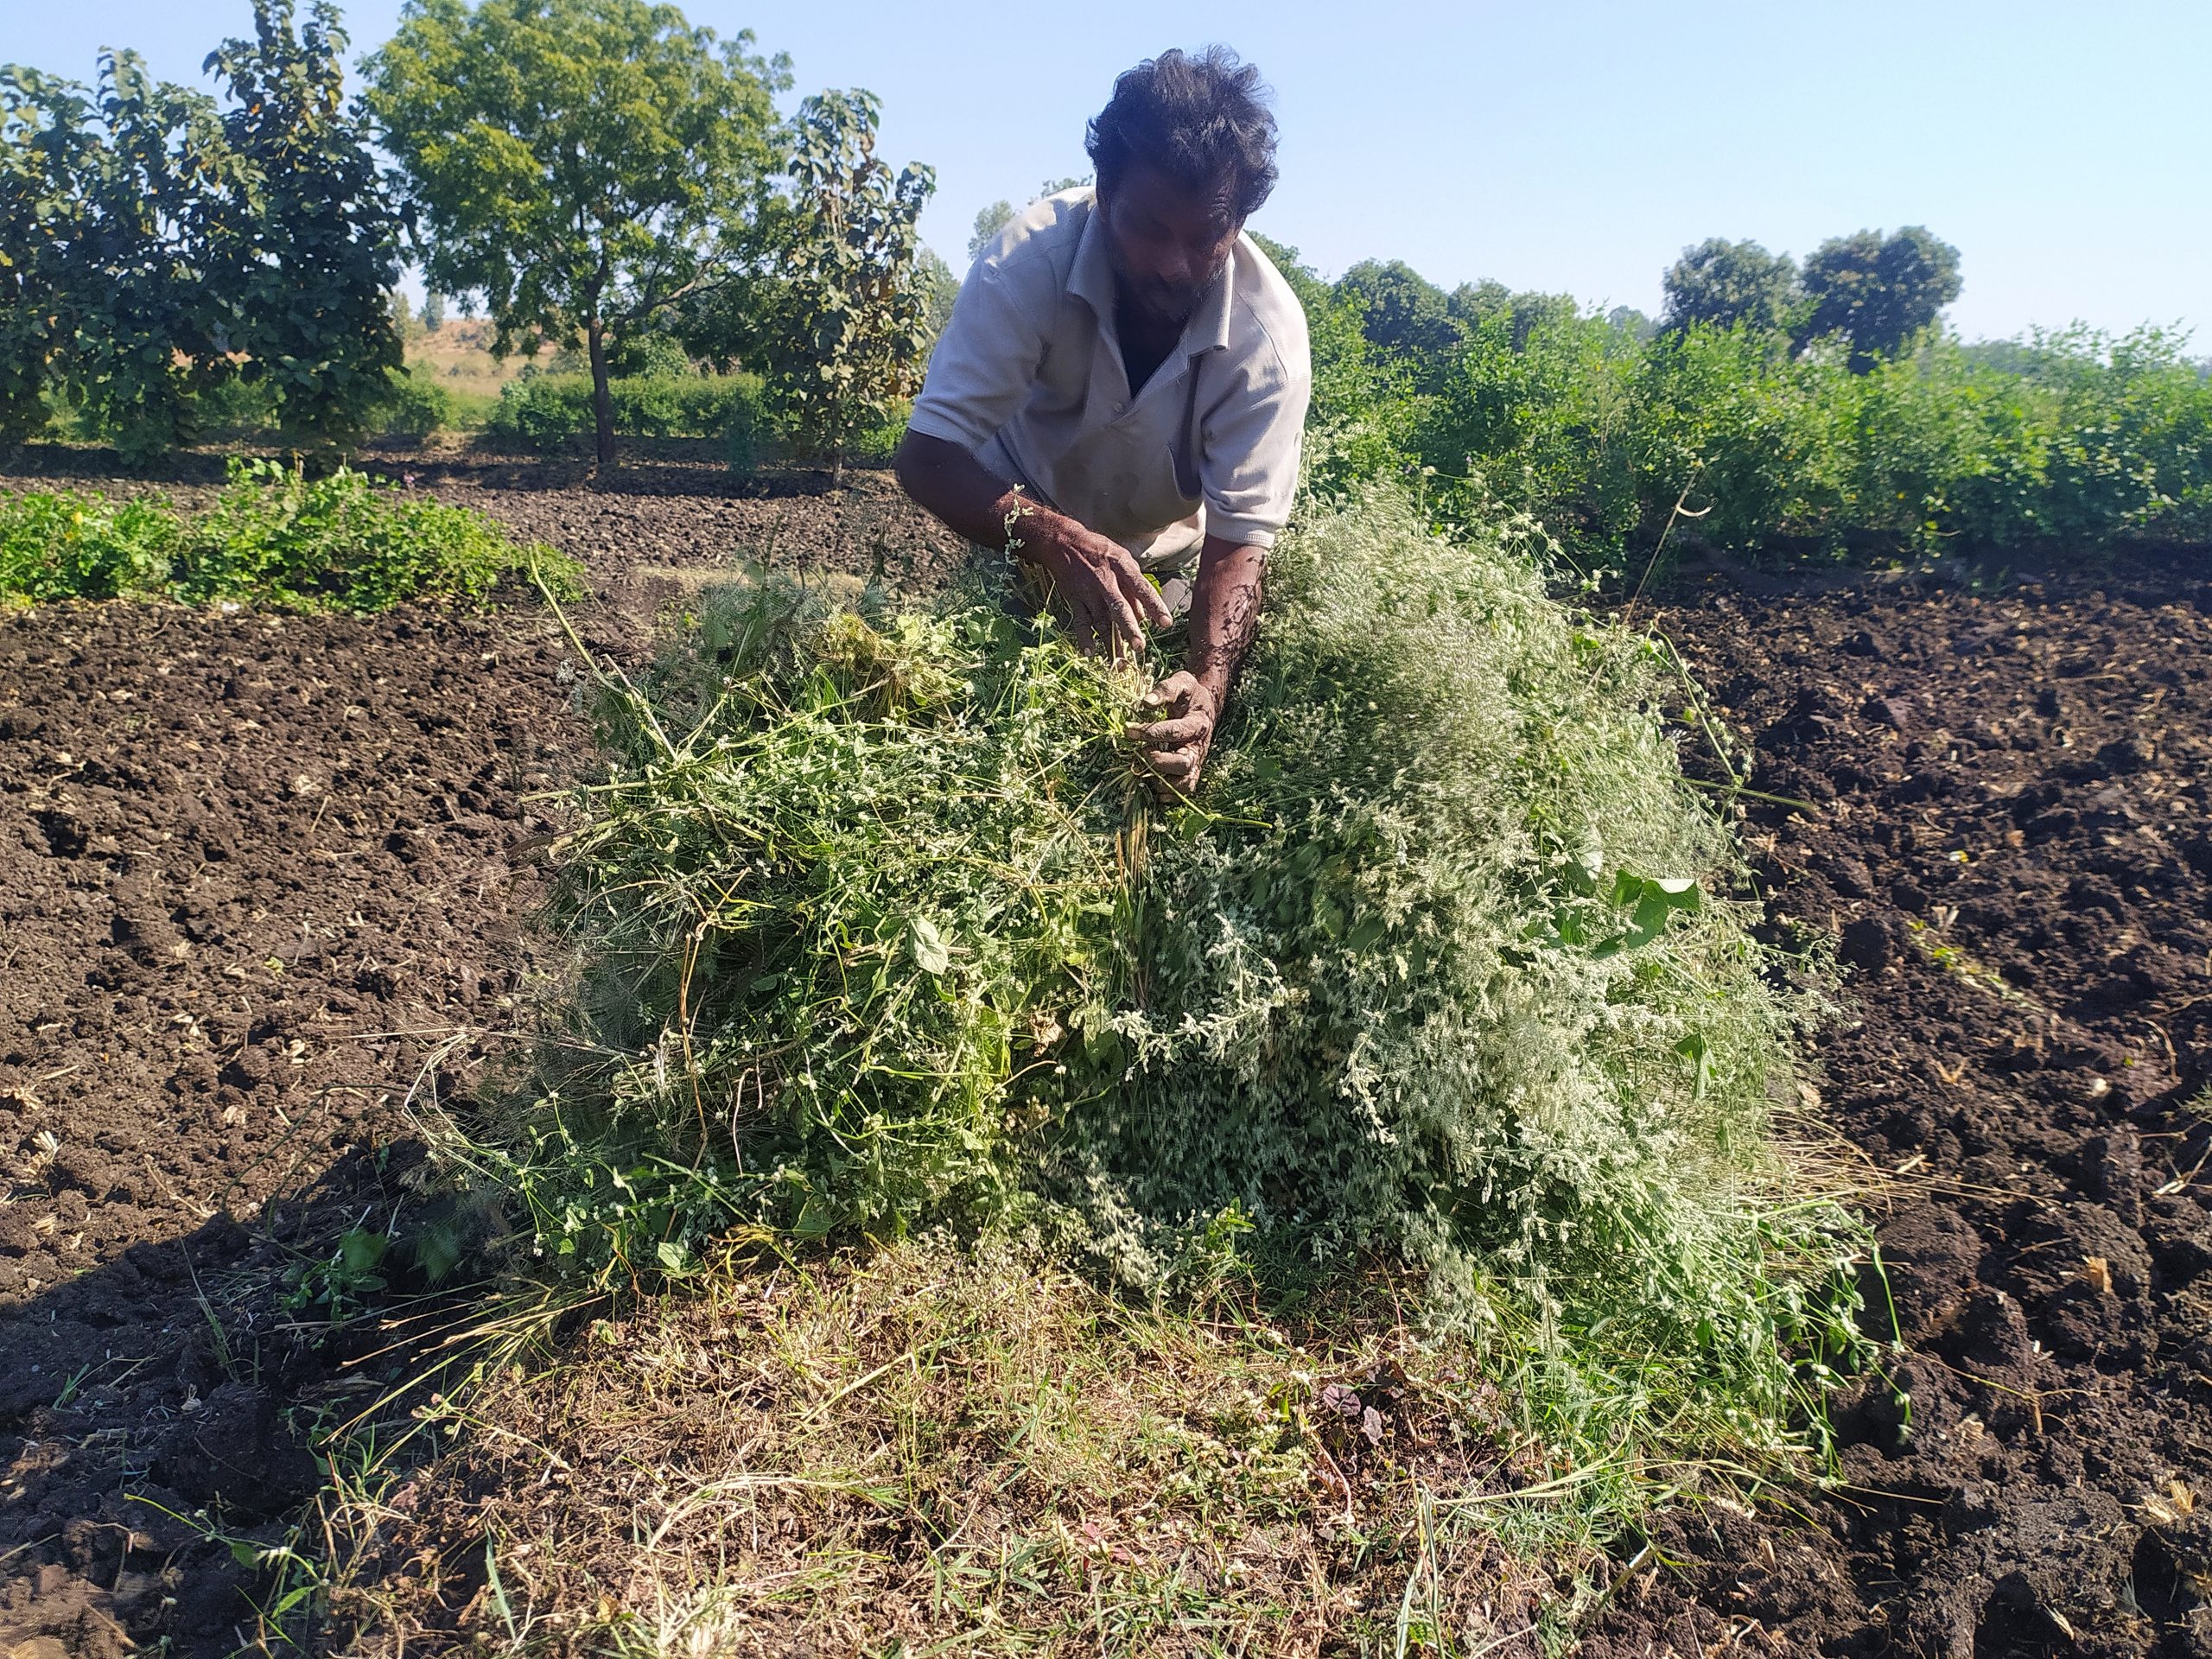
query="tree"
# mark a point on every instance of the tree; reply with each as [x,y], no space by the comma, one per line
[1405,315]
[848,304]
[434,311]
[1878,292]
[582,163]
[1471,303]
[1725,283]
[940,288]
[989,221]
[103,235]
[155,244]
[43,144]
[308,238]
[1627,319]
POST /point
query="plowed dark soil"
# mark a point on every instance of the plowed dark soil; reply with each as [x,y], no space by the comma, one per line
[261,876]
[258,873]
[2011,834]
[252,869]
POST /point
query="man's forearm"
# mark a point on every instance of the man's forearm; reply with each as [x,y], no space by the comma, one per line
[951,485]
[1224,612]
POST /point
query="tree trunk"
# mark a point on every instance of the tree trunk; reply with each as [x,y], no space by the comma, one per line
[602,400]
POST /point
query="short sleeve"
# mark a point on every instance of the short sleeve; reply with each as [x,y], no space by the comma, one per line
[985,361]
[1251,442]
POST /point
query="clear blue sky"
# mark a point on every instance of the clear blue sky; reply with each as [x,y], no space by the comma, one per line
[2065,149]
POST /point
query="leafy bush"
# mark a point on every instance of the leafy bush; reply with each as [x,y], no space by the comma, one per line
[273,535]
[231,409]
[155,244]
[548,413]
[414,406]
[70,545]
[2069,441]
[877,927]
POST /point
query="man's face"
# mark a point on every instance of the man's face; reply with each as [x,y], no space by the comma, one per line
[1168,239]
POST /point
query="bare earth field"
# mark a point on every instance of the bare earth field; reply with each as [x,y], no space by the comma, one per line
[261,876]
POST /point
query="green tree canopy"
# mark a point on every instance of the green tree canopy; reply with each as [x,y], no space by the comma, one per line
[155,242]
[844,308]
[1878,291]
[102,221]
[1724,283]
[989,221]
[1405,315]
[313,238]
[581,163]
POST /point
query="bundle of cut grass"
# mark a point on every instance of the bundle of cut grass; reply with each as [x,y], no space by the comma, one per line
[876,927]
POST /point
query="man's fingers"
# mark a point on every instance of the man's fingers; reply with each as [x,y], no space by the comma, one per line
[1178,764]
[1132,583]
[1129,631]
[1111,613]
[1171,734]
[1173,692]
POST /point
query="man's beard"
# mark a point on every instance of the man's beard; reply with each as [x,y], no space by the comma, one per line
[1162,302]
[1166,304]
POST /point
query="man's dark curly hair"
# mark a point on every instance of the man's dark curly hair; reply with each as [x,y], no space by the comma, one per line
[1200,120]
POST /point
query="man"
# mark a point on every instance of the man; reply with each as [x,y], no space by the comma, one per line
[1121,390]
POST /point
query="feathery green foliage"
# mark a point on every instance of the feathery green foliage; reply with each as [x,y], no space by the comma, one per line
[876,927]
[845,873]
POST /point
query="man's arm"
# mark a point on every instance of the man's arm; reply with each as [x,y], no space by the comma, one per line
[1099,580]
[1224,617]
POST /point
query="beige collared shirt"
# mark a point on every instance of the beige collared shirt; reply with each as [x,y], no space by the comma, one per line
[1028,377]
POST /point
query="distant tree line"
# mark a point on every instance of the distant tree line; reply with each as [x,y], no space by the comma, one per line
[1770,408]
[590,172]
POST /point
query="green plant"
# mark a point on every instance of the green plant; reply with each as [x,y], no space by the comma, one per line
[344,540]
[273,535]
[581,164]
[846,330]
[1359,426]
[1878,292]
[1724,284]
[154,246]
[413,405]
[68,545]
[341,1284]
[550,412]
[887,847]
[875,928]
[307,237]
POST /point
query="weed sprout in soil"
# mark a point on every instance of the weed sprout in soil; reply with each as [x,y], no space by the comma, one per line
[877,928]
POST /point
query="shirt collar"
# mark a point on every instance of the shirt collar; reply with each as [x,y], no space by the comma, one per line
[1090,279]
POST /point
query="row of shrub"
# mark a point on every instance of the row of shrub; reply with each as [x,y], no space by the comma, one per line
[546,414]
[1602,431]
[273,535]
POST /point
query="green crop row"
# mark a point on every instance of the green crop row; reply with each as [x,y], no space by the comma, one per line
[272,535]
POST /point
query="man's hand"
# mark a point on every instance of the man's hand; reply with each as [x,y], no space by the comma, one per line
[1176,747]
[1100,591]
[1099,586]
